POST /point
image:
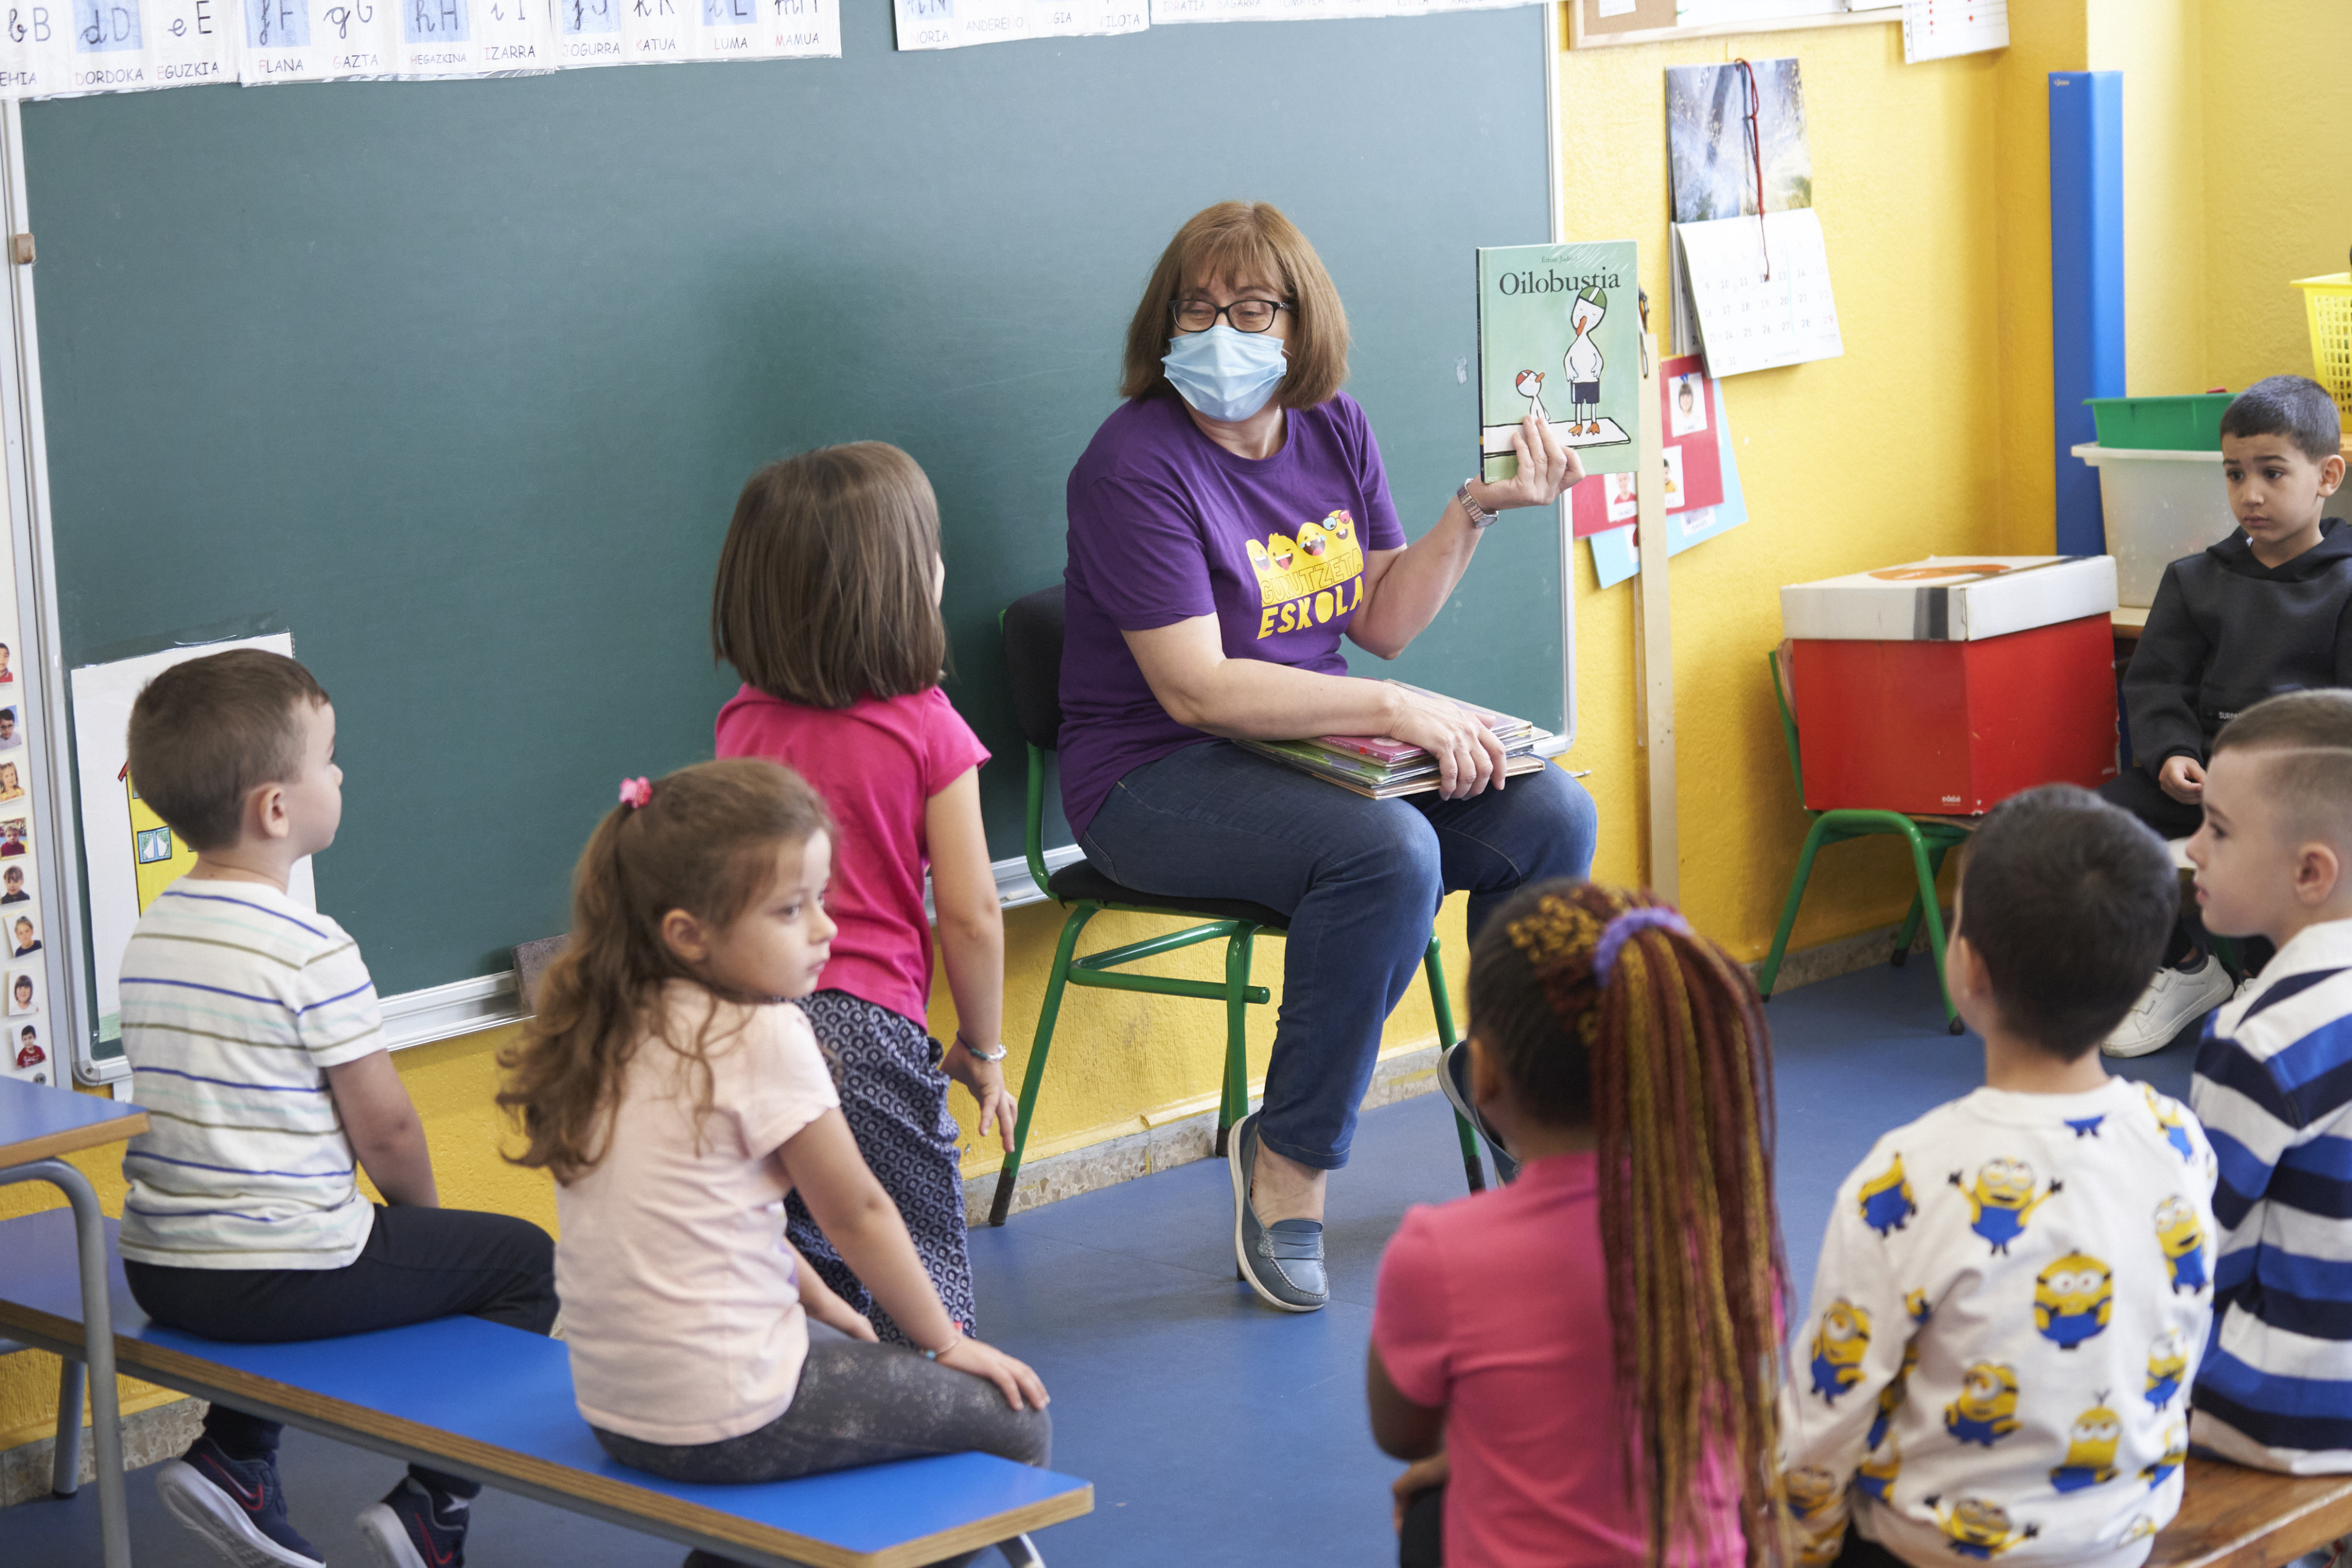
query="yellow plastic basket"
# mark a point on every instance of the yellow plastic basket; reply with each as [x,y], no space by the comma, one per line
[2328,302]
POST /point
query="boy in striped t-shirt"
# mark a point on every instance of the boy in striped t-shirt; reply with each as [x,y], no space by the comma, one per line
[2273,1087]
[257,1051]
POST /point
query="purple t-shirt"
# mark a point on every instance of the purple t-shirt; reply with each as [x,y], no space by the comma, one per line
[1166,525]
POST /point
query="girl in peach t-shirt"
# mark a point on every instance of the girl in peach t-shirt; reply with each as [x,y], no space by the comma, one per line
[1533,1346]
[676,1097]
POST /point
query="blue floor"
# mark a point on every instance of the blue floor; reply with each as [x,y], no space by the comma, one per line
[1197,1413]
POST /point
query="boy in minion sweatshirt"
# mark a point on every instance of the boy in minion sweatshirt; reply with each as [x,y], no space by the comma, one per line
[2014,1287]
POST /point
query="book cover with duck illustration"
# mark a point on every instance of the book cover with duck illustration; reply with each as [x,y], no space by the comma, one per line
[1560,333]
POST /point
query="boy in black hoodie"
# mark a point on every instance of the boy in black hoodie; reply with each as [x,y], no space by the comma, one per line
[2268,610]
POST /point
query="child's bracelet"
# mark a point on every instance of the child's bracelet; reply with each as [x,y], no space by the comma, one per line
[935,1355]
[976,1053]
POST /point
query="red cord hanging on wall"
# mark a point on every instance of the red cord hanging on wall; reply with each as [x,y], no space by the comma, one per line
[1754,118]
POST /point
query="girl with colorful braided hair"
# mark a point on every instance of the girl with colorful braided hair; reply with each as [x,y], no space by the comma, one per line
[1581,1363]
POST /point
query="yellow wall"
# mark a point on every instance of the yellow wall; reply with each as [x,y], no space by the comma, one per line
[2277,177]
[1931,435]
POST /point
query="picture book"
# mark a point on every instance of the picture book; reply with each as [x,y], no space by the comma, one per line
[1382,767]
[1560,334]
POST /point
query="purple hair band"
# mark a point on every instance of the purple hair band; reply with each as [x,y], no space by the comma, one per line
[1620,930]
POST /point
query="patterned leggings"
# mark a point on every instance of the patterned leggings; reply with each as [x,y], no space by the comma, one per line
[896,1102]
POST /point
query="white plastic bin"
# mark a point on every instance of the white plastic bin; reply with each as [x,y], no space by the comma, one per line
[2159,507]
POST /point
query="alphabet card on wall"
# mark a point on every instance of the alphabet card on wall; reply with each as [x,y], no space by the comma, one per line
[1560,334]
[959,24]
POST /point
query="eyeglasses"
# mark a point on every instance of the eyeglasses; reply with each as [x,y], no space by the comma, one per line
[1246,315]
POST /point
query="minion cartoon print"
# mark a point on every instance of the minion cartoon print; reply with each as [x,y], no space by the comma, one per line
[2167,1367]
[1915,1307]
[2002,1199]
[1885,1199]
[2183,1240]
[2088,1127]
[1986,1411]
[1815,1503]
[2072,1299]
[1310,580]
[1978,1526]
[2091,1444]
[2175,1455]
[1838,1346]
[1813,1496]
[2169,1121]
[1891,1397]
[1878,1473]
[2141,1526]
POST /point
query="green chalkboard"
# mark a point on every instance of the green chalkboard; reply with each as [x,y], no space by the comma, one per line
[459,380]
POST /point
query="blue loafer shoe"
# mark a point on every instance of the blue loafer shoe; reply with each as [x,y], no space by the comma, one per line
[1454,1078]
[1283,1262]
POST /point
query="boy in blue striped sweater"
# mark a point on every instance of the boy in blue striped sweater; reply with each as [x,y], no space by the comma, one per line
[2273,1088]
[257,1051]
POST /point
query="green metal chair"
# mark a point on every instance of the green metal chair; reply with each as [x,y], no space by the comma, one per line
[1033,654]
[1930,839]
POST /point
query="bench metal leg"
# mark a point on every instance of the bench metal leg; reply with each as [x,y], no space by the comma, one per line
[98,1339]
[65,1470]
[1021,1552]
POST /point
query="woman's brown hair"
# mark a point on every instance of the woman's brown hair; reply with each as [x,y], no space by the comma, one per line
[1239,242]
[704,842]
[1654,1037]
[825,592]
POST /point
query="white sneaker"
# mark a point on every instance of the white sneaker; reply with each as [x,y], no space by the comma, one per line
[2171,1000]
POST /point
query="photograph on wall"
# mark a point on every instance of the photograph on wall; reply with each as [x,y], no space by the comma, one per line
[1727,123]
[24,935]
[17,883]
[23,992]
[27,1050]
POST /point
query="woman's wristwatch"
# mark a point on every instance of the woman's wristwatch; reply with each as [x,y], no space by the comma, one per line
[974,1051]
[1479,516]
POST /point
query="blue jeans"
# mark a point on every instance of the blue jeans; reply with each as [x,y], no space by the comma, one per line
[1360,880]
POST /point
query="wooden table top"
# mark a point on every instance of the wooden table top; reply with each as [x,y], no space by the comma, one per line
[2251,1519]
[39,1123]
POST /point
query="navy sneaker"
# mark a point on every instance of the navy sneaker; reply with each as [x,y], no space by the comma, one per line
[1283,1262]
[237,1505]
[1454,1078]
[410,1529]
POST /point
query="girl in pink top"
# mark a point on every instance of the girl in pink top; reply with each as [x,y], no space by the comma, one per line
[678,1099]
[1603,1330]
[828,603]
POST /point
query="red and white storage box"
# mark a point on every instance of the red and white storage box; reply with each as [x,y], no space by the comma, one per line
[1943,686]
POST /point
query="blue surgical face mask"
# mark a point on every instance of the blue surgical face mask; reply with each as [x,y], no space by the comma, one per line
[1227,375]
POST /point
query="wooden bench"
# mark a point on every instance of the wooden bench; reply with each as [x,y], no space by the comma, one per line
[2231,1517]
[495,1405]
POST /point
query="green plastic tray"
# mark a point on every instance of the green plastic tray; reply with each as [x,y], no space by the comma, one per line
[2190,424]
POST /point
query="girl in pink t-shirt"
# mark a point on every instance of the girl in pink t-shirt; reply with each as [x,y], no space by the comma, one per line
[828,603]
[678,1099]
[1604,1328]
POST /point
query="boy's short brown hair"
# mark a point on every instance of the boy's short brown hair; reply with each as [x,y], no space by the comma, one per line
[207,733]
[1238,242]
[2309,778]
[825,586]
[2069,901]
[2293,406]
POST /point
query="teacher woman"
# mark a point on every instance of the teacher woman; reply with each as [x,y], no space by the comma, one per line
[1228,523]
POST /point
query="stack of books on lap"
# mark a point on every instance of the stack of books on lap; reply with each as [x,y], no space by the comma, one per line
[1382,766]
